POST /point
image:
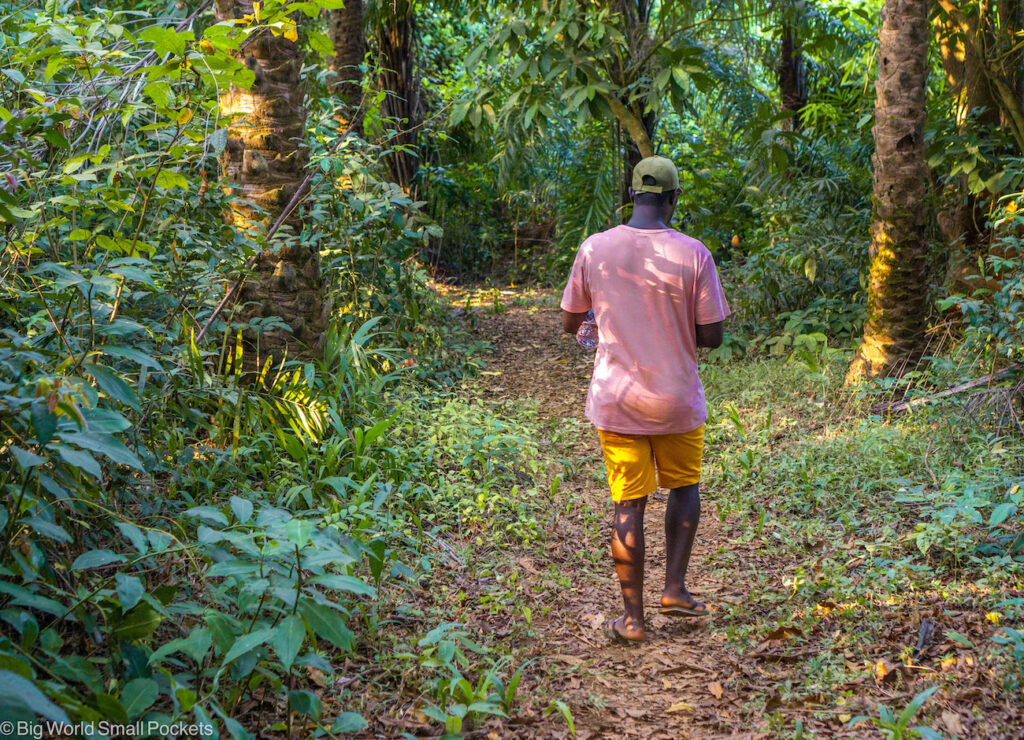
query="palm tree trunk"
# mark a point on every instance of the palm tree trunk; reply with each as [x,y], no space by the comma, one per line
[898,288]
[792,84]
[346,29]
[264,161]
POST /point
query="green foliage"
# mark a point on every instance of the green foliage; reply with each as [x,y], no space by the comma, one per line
[994,313]
[178,538]
[898,727]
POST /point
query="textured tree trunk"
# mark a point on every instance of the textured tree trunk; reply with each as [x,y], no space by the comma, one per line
[792,83]
[1011,22]
[898,286]
[346,29]
[636,15]
[991,62]
[633,153]
[395,44]
[264,160]
[960,219]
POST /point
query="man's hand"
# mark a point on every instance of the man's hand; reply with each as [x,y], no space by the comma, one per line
[571,321]
[710,335]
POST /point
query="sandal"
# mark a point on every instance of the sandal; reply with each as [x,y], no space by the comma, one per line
[676,610]
[616,637]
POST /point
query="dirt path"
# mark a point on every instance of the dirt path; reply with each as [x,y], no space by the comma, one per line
[672,686]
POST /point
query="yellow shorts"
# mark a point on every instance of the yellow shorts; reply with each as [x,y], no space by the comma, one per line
[631,460]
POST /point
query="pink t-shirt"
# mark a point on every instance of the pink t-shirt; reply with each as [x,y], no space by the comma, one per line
[648,289]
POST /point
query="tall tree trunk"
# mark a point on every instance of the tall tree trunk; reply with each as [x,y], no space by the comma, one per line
[632,154]
[395,37]
[346,30]
[960,218]
[1011,23]
[898,287]
[265,159]
[636,17]
[992,72]
[792,82]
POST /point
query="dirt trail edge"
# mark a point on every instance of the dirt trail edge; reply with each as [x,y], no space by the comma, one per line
[673,685]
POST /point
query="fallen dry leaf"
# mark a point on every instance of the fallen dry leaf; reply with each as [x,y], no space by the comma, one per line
[681,706]
[953,723]
[784,633]
[573,660]
[716,689]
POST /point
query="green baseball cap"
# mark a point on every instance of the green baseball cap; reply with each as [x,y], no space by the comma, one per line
[665,175]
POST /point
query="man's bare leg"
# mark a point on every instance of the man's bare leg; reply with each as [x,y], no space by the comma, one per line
[628,553]
[682,515]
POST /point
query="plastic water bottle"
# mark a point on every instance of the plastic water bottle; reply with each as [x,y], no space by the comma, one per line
[586,335]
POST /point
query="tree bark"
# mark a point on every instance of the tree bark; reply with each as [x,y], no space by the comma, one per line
[897,290]
[792,83]
[346,30]
[395,37]
[636,17]
[264,160]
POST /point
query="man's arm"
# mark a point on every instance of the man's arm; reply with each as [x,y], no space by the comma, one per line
[571,321]
[710,335]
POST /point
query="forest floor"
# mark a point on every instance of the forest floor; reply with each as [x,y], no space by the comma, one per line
[833,591]
[672,686]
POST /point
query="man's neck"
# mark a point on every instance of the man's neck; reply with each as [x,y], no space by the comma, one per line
[647,218]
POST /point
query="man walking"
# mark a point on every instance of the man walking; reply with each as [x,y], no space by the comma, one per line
[656,297]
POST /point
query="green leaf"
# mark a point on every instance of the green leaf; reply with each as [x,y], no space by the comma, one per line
[328,624]
[19,691]
[25,458]
[297,531]
[218,140]
[130,353]
[248,642]
[44,422]
[105,444]
[47,529]
[1000,513]
[169,179]
[288,638]
[958,637]
[912,708]
[209,513]
[305,703]
[345,583]
[137,696]
[196,646]
[96,559]
[242,508]
[167,40]
[134,535]
[158,92]
[321,44]
[140,622]
[349,722]
[220,630]
[129,590]
[113,385]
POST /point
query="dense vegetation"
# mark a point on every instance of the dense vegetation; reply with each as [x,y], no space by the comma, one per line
[249,478]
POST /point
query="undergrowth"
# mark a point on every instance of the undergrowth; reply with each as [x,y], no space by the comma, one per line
[859,533]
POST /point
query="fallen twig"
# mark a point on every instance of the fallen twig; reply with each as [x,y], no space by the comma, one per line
[984,380]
